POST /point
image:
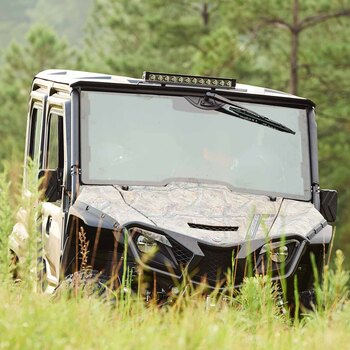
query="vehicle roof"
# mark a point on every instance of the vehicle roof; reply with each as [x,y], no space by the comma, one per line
[73,78]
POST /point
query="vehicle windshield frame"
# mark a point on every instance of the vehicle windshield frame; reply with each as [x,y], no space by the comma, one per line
[277,101]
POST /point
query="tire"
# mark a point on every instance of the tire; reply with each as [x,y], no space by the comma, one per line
[85,283]
[308,299]
[13,267]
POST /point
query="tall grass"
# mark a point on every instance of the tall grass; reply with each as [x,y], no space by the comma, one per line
[332,291]
[26,269]
[32,321]
[6,225]
[249,319]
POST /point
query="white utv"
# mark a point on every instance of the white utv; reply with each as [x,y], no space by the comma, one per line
[207,174]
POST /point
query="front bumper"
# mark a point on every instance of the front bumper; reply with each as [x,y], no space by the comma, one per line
[199,262]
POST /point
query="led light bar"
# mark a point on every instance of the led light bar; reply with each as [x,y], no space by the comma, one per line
[189,80]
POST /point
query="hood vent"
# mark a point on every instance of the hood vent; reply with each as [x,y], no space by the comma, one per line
[213,228]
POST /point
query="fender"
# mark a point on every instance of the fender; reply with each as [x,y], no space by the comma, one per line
[324,237]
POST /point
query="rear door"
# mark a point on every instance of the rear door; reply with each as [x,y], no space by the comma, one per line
[33,154]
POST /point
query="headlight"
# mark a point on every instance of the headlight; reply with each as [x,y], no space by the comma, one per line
[279,252]
[147,240]
[145,244]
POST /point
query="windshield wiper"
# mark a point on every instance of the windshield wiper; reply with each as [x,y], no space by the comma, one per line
[238,111]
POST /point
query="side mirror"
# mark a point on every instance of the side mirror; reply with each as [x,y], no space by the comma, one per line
[329,203]
[50,184]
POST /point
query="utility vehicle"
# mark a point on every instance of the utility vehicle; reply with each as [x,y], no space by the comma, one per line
[205,174]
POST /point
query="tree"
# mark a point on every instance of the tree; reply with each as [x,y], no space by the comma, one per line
[302,46]
[129,36]
[263,19]
[285,45]
[42,50]
[296,27]
[117,37]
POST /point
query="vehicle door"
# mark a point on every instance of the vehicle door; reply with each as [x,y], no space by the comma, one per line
[33,155]
[54,174]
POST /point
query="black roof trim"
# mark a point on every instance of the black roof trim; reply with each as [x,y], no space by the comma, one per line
[185,90]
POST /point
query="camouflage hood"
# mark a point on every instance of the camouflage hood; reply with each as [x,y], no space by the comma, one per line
[211,213]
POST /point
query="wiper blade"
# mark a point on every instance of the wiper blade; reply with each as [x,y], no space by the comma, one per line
[238,111]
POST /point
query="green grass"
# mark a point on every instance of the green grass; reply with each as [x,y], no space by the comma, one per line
[33,321]
[251,320]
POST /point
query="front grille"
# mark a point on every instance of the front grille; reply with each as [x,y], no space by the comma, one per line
[183,256]
[212,227]
[215,264]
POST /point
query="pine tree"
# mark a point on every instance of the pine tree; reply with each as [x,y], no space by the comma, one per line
[42,50]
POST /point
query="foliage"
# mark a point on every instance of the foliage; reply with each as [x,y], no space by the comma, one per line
[18,16]
[35,321]
[128,37]
[193,320]
[333,290]
[247,39]
[42,50]
[6,224]
[239,38]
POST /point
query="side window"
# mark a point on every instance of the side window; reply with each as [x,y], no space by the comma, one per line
[35,133]
[54,159]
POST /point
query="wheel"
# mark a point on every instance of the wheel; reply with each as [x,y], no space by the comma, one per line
[85,283]
[13,267]
[308,299]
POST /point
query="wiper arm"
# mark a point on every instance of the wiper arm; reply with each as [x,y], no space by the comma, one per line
[238,111]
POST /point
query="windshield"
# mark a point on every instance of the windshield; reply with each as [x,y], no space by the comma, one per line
[150,139]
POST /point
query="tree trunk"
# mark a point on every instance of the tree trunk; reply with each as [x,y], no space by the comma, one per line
[296,28]
[205,14]
[293,88]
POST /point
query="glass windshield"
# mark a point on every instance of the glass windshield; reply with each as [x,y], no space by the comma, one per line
[152,139]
